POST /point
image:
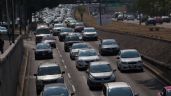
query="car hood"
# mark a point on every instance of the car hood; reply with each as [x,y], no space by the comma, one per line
[131,59]
[49,77]
[101,75]
[72,41]
[110,46]
[49,41]
[42,35]
[64,33]
[87,33]
[39,50]
[87,58]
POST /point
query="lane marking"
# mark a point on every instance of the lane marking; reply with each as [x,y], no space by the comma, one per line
[62,61]
[60,55]
[65,67]
[69,75]
[73,87]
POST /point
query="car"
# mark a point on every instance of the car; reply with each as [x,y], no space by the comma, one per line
[89,33]
[129,59]
[79,26]
[75,49]
[69,40]
[166,19]
[42,31]
[3,30]
[166,91]
[59,89]
[48,73]
[50,40]
[99,73]
[151,21]
[118,89]
[108,46]
[85,56]
[64,32]
[43,50]
[130,17]
[159,20]
[57,28]
[120,17]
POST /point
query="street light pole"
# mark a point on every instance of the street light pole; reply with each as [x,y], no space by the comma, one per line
[100,12]
[8,20]
[13,21]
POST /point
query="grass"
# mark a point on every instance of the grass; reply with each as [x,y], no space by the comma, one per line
[134,29]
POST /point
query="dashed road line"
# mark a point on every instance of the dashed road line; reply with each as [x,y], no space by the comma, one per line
[69,75]
[65,67]
[73,87]
[63,61]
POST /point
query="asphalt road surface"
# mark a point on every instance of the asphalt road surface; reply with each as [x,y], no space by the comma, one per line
[144,83]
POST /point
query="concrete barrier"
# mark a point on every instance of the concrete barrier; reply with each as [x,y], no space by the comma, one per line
[10,62]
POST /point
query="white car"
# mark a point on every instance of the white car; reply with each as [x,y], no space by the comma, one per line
[89,33]
[3,30]
[129,59]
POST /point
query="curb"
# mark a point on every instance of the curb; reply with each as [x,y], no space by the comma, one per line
[21,85]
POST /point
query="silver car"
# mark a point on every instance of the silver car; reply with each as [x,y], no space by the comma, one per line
[118,89]
[48,73]
[75,49]
[129,59]
[89,33]
[86,56]
[98,73]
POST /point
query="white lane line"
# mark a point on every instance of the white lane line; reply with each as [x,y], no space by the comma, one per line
[60,55]
[65,67]
[62,61]
[73,87]
[69,75]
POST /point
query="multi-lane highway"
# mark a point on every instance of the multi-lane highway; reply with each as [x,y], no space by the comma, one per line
[144,83]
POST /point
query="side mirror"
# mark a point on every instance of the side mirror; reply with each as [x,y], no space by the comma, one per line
[72,94]
[87,71]
[35,74]
[136,94]
[63,72]
[34,49]
[117,57]
[114,70]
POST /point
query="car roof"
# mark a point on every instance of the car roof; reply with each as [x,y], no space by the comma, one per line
[108,40]
[128,50]
[168,88]
[42,43]
[99,63]
[80,43]
[88,49]
[48,65]
[55,85]
[89,28]
[116,85]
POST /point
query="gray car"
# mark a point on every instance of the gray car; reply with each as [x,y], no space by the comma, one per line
[64,32]
[118,89]
[108,46]
[50,40]
[98,73]
[75,49]
[89,33]
[48,73]
[85,56]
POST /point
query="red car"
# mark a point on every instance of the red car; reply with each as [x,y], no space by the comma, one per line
[166,91]
[79,27]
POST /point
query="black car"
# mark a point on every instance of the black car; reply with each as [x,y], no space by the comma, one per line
[166,19]
[48,73]
[69,40]
[151,21]
[56,90]
[43,50]
[108,46]
[64,32]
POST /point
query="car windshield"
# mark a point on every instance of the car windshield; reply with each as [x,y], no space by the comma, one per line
[130,54]
[49,70]
[169,93]
[43,46]
[48,38]
[3,28]
[60,91]
[79,46]
[66,30]
[88,53]
[100,68]
[90,30]
[108,43]
[72,38]
[43,31]
[60,25]
[122,91]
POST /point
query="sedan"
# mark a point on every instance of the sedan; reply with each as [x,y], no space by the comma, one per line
[56,90]
[75,49]
[86,56]
[108,46]
[79,26]
[118,89]
[69,40]
[57,28]
[64,32]
[100,72]
[43,50]
[129,59]
[166,91]
[89,33]
[50,40]
[48,73]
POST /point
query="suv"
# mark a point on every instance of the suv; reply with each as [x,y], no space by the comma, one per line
[89,33]
[129,59]
[100,72]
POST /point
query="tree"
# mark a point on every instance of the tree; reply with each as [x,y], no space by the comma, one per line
[81,10]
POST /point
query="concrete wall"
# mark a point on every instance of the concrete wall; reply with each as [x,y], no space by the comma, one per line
[9,68]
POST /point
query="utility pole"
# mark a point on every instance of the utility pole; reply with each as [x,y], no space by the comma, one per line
[8,20]
[13,21]
[100,12]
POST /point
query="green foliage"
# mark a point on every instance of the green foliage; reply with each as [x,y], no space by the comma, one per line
[81,9]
